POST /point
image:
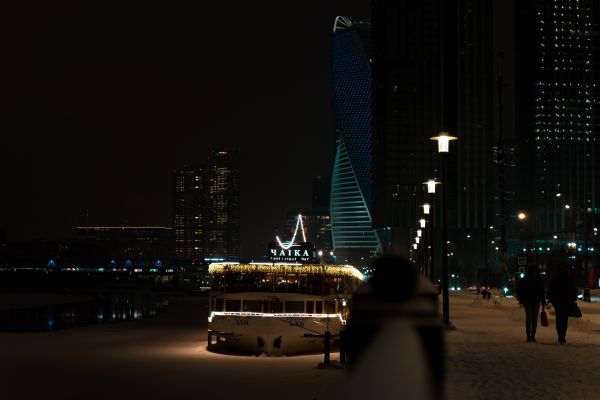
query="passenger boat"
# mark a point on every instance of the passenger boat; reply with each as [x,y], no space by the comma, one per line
[282,307]
[279,308]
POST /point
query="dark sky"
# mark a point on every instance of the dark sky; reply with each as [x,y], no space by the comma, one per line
[101,101]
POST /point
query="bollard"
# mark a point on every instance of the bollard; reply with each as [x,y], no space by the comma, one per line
[327,348]
[342,347]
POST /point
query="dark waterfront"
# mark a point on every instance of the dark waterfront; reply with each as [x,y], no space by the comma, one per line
[56,300]
[79,310]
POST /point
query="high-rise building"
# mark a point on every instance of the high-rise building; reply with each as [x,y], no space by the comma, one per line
[354,238]
[223,201]
[189,215]
[557,121]
[433,72]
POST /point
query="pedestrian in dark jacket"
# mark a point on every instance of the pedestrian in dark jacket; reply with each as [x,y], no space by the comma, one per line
[530,293]
[562,293]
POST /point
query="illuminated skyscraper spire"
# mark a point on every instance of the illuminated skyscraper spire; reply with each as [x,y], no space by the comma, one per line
[351,189]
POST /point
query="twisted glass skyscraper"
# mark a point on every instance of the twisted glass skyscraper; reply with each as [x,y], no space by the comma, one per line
[352,181]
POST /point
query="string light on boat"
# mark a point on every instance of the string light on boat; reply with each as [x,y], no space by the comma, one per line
[283,268]
[300,225]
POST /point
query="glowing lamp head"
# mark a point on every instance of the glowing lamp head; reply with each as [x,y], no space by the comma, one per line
[414,246]
[426,208]
[422,222]
[417,239]
[521,216]
[431,185]
[443,140]
[419,232]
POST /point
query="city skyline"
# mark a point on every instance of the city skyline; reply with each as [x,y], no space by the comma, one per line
[106,103]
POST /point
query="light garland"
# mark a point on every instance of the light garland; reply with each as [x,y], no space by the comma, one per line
[273,315]
[331,270]
[291,242]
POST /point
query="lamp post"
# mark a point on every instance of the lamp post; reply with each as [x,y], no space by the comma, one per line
[485,252]
[430,184]
[443,141]
[522,216]
[422,225]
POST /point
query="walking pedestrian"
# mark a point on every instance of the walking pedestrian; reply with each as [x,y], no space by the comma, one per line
[562,293]
[530,293]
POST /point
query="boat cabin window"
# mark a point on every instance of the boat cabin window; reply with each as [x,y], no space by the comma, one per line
[294,306]
[253,305]
[219,305]
[310,307]
[274,306]
[330,307]
[234,305]
[318,307]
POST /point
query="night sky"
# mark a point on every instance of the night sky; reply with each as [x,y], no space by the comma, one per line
[101,101]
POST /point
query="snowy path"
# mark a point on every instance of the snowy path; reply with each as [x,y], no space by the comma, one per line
[489,359]
[167,358]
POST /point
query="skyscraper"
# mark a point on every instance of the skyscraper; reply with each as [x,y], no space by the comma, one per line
[433,72]
[189,215]
[557,118]
[223,197]
[351,189]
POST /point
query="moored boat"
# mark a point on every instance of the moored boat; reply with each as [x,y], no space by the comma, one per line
[279,308]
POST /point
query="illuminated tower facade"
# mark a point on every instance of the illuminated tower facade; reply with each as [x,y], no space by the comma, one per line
[189,216]
[557,118]
[223,198]
[353,236]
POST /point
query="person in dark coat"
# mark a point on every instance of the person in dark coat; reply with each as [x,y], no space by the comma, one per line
[530,293]
[562,293]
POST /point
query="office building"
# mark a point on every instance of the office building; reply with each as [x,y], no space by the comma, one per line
[223,205]
[354,239]
[557,121]
[189,215]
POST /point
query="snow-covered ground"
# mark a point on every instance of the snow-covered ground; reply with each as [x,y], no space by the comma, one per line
[488,357]
[167,358]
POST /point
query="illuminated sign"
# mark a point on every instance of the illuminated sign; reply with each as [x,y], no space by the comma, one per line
[302,252]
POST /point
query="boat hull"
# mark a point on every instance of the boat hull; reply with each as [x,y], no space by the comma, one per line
[274,334]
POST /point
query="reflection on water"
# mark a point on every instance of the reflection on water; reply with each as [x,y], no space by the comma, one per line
[106,307]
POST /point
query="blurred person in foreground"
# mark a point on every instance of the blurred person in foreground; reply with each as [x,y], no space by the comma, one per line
[530,293]
[395,336]
[562,293]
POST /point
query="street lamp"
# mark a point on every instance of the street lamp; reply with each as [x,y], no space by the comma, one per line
[428,210]
[443,141]
[522,216]
[485,252]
